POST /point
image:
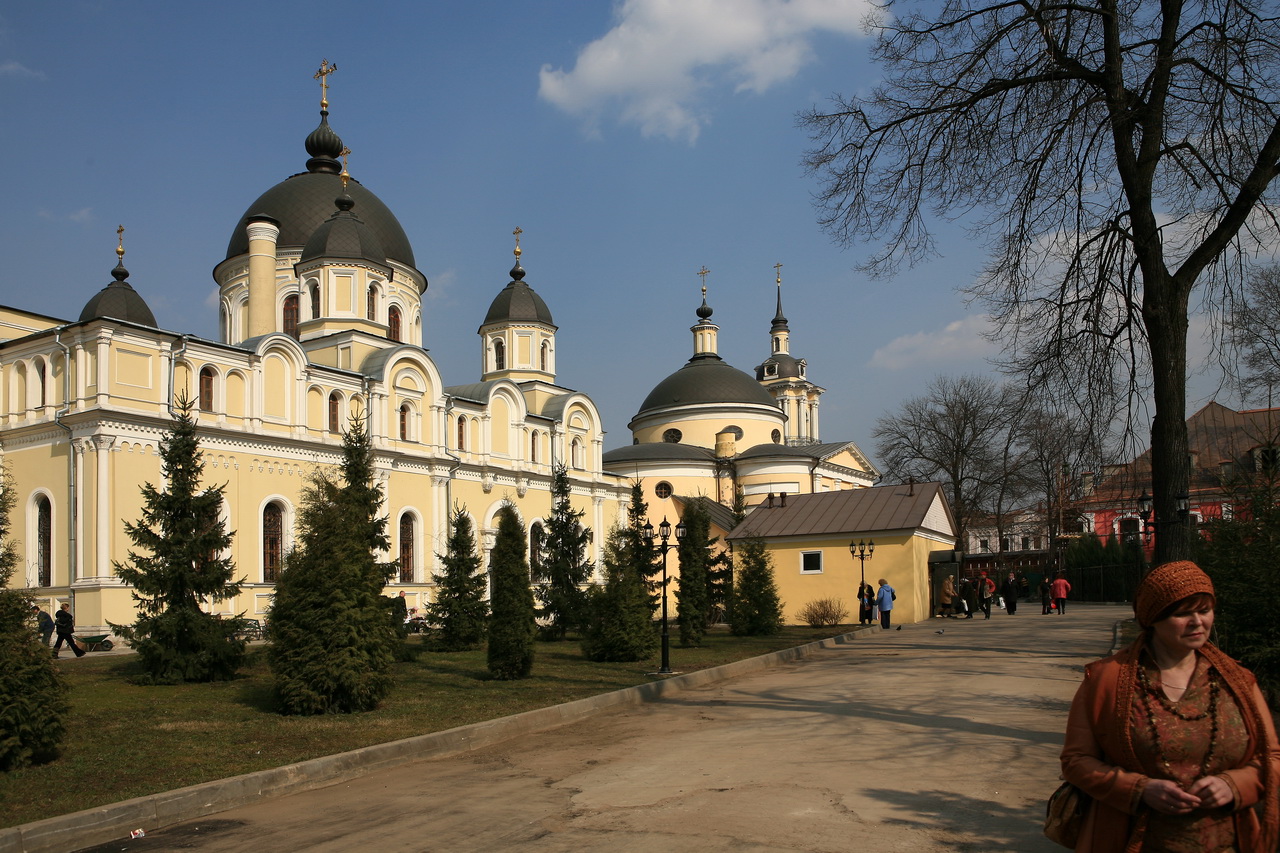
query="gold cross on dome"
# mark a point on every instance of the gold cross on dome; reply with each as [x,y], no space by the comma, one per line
[346,176]
[517,234]
[322,75]
[778,269]
[703,272]
[120,248]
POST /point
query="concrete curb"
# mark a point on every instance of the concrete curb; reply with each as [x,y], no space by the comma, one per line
[114,822]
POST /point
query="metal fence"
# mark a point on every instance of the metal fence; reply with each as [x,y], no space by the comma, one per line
[1103,583]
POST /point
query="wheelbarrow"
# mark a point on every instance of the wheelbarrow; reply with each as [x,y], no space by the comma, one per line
[96,643]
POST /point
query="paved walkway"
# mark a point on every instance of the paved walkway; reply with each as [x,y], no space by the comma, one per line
[908,740]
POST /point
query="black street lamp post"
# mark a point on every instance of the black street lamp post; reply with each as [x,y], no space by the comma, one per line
[664,535]
[862,551]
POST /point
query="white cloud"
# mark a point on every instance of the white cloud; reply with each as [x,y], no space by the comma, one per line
[17,69]
[83,215]
[959,341]
[663,56]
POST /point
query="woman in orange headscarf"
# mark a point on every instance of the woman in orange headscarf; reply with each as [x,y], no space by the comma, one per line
[1170,737]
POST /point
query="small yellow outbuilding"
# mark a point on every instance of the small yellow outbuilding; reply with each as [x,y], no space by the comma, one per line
[809,539]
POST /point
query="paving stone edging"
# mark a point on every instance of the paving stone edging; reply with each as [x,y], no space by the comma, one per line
[116,820]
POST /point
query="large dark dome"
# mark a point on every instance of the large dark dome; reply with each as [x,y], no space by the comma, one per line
[300,203]
[706,379]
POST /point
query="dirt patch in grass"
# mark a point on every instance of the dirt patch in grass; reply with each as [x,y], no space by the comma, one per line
[127,740]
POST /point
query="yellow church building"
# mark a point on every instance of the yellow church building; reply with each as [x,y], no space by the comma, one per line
[711,430]
[320,308]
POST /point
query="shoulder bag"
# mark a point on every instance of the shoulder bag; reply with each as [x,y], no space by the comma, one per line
[1064,815]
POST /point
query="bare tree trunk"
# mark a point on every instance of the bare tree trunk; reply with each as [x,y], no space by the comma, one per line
[1165,313]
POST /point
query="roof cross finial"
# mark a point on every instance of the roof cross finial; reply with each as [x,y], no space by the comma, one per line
[703,273]
[322,75]
[120,247]
[778,269]
[346,176]
[517,234]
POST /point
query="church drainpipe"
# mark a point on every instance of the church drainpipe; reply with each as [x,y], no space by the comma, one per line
[71,458]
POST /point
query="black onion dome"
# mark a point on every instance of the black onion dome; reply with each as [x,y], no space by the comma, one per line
[324,145]
[119,301]
[706,379]
[302,202]
[788,367]
[518,302]
[344,235]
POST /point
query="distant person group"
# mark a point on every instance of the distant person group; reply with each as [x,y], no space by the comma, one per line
[982,593]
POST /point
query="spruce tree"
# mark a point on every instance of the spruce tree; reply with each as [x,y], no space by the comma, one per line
[620,622]
[33,696]
[181,565]
[639,553]
[563,564]
[460,609]
[511,626]
[1241,553]
[332,642]
[692,601]
[757,609]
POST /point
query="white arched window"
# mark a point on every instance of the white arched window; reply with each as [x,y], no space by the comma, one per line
[408,530]
[206,389]
[44,541]
[272,541]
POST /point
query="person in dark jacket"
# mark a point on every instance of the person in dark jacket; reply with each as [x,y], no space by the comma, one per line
[1009,589]
[66,626]
[44,624]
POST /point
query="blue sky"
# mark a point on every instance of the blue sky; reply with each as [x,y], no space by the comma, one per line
[632,142]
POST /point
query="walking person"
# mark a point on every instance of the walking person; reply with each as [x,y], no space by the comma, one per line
[1010,590]
[1046,596]
[948,597]
[1059,590]
[1171,738]
[884,600]
[65,626]
[968,597]
[44,624]
[986,592]
[866,604]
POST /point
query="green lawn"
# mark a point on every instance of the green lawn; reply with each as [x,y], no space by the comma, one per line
[126,740]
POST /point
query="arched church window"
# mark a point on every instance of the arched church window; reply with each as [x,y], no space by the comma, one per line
[672,436]
[44,541]
[291,315]
[462,433]
[536,539]
[41,382]
[272,541]
[393,323]
[499,355]
[575,453]
[777,343]
[545,357]
[533,447]
[315,301]
[406,547]
[404,422]
[371,303]
[335,413]
[206,389]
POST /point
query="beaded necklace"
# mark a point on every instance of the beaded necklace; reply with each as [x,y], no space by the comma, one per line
[1212,713]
